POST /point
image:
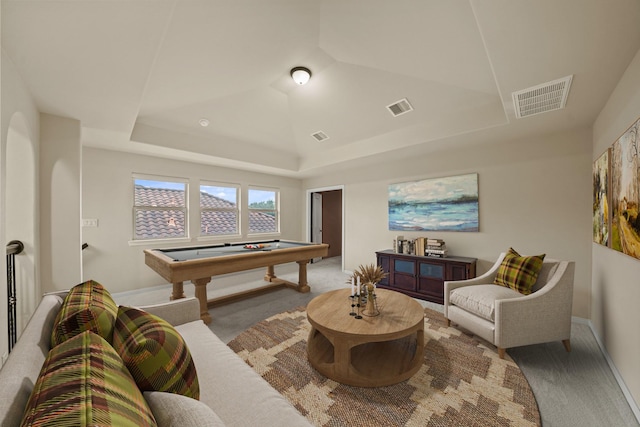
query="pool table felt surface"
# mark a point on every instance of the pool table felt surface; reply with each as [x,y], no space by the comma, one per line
[185,254]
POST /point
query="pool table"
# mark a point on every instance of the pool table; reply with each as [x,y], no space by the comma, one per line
[200,263]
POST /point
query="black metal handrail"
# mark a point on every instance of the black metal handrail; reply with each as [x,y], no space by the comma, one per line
[14,248]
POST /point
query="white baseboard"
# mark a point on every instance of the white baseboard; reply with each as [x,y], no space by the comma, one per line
[627,394]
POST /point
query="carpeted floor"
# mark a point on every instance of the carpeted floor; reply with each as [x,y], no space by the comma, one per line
[461,381]
[574,389]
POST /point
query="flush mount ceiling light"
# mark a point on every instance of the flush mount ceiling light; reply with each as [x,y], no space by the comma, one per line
[204,122]
[300,75]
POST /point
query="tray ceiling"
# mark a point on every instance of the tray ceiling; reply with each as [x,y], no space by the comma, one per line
[140,75]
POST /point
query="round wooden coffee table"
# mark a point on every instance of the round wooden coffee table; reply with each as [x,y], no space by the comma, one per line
[368,352]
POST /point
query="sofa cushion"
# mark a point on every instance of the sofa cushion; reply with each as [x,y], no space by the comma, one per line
[83,382]
[519,272]
[175,410]
[87,307]
[155,353]
[481,299]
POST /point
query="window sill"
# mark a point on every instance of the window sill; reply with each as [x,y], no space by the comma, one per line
[220,238]
[263,235]
[154,242]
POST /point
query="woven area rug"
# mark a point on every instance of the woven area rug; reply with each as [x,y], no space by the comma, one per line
[462,382]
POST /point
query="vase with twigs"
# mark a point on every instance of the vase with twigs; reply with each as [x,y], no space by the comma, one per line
[370,275]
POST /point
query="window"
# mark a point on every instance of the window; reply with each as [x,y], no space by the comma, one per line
[263,211]
[218,210]
[159,209]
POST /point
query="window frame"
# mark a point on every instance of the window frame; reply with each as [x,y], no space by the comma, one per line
[135,208]
[237,209]
[276,210]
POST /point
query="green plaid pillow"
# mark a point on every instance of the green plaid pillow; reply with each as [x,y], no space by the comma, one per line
[87,307]
[83,382]
[155,353]
[519,272]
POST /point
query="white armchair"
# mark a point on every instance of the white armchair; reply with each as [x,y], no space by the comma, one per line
[507,318]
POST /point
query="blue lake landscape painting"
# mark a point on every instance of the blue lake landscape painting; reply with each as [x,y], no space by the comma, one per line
[439,204]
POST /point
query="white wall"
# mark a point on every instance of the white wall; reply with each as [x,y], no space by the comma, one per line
[17,107]
[60,166]
[108,196]
[20,215]
[616,277]
[535,195]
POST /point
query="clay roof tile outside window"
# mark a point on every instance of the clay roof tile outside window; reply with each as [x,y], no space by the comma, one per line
[153,224]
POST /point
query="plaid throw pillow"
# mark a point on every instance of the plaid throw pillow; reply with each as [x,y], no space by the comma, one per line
[83,382]
[87,307]
[519,272]
[155,353]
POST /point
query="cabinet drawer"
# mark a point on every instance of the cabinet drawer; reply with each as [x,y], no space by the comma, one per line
[404,281]
[431,287]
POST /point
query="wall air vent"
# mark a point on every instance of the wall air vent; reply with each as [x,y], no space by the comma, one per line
[542,98]
[320,136]
[400,107]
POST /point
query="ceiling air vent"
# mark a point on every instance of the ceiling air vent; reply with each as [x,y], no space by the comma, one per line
[399,107]
[542,98]
[320,136]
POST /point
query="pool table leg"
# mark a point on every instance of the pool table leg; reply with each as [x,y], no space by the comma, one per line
[178,291]
[270,274]
[303,286]
[201,294]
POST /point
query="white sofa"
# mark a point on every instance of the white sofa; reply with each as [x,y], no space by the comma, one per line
[232,393]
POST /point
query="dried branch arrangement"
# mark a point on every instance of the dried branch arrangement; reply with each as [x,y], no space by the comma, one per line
[369,273]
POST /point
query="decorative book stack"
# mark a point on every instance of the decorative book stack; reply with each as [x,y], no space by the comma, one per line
[422,246]
[435,248]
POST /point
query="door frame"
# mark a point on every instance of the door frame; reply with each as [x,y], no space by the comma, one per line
[310,191]
[317,199]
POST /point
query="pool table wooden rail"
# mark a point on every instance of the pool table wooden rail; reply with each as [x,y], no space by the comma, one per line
[200,271]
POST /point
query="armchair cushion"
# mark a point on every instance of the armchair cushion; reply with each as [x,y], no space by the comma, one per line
[519,272]
[481,299]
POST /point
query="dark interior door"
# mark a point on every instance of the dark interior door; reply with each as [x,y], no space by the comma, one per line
[332,221]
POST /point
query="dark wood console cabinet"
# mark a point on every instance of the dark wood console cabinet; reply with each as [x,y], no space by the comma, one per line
[422,276]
